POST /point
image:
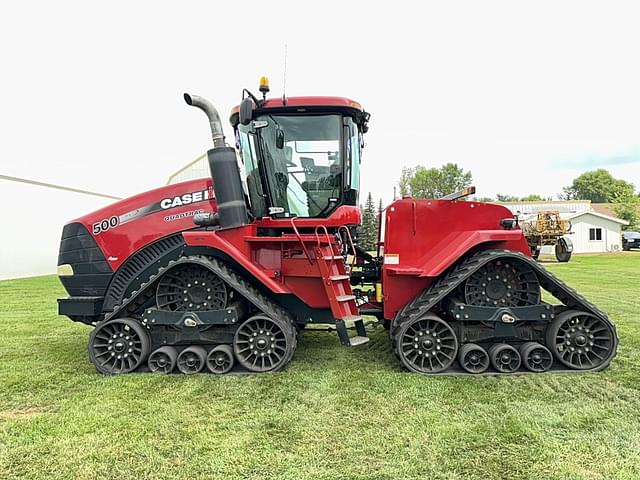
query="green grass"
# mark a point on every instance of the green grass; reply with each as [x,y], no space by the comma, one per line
[335,413]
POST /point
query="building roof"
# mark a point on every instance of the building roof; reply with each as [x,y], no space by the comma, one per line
[562,206]
[597,214]
[604,208]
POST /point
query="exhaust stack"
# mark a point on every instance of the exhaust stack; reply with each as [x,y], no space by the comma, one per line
[214,118]
[227,184]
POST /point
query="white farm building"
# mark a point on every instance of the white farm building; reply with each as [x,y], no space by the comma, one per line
[592,231]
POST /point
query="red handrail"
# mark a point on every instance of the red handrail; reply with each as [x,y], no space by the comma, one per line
[304,247]
[326,234]
[353,247]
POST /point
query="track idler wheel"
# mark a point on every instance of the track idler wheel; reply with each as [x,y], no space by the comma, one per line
[264,344]
[119,346]
[163,360]
[427,344]
[580,340]
[504,358]
[536,357]
[473,358]
[192,359]
[220,359]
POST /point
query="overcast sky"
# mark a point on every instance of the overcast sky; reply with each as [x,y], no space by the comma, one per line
[525,95]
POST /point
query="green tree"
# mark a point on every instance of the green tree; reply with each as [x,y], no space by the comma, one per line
[422,182]
[369,229]
[405,179]
[532,197]
[627,207]
[506,198]
[599,186]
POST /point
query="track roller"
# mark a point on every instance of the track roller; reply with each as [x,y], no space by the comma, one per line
[192,359]
[220,359]
[536,357]
[163,360]
[119,346]
[504,358]
[473,358]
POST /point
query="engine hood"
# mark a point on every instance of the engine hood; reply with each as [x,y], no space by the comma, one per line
[129,224]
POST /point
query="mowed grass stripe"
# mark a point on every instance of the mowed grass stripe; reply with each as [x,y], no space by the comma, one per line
[335,412]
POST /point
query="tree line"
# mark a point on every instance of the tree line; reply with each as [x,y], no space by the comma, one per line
[368,231]
[598,186]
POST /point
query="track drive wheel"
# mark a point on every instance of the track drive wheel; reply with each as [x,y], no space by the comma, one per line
[220,359]
[119,346]
[504,358]
[473,358]
[536,357]
[264,344]
[163,360]
[191,287]
[503,283]
[580,340]
[192,359]
[427,344]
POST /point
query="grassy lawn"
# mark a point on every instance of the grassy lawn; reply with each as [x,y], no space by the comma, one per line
[335,413]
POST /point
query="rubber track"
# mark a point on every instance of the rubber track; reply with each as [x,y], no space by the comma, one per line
[442,287]
[235,281]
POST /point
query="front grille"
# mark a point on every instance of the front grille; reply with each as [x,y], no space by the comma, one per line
[92,273]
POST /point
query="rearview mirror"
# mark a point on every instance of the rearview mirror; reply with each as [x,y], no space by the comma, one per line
[279,139]
[246,111]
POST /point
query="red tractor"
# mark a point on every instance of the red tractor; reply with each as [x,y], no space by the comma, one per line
[223,273]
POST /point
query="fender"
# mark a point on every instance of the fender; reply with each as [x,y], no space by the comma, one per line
[423,238]
[231,242]
[450,249]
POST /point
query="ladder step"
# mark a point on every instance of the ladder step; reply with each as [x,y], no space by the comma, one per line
[336,278]
[351,318]
[355,341]
[333,257]
[345,298]
[345,339]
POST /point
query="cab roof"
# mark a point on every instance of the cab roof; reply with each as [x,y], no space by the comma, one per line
[296,104]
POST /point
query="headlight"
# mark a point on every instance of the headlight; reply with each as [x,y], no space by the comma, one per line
[65,270]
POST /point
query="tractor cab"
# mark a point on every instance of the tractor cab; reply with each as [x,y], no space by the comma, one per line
[301,155]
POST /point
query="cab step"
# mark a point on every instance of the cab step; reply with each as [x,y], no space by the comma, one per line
[357,340]
[336,282]
[345,298]
[361,334]
[337,278]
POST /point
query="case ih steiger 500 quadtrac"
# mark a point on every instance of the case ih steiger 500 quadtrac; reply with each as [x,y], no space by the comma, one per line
[223,273]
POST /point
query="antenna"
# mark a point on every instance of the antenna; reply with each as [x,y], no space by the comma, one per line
[284,77]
